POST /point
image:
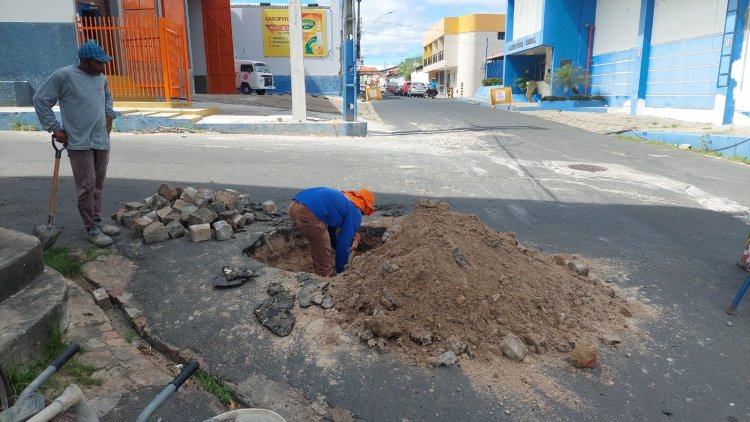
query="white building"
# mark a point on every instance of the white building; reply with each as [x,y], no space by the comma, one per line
[686,59]
[456,49]
[322,71]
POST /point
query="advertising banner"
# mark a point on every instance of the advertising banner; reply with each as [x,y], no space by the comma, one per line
[275,23]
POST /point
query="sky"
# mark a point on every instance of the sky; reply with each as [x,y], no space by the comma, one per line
[393,29]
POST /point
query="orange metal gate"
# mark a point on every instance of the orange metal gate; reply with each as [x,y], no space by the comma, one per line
[217,32]
[150,56]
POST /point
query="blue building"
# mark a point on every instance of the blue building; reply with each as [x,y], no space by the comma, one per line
[685,59]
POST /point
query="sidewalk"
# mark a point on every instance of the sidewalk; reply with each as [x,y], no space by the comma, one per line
[730,141]
[251,114]
[126,369]
[620,122]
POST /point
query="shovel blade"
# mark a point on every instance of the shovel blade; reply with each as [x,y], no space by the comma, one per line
[48,237]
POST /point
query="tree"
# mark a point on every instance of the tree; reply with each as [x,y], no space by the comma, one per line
[408,65]
[569,78]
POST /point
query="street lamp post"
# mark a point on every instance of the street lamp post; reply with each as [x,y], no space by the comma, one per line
[359,36]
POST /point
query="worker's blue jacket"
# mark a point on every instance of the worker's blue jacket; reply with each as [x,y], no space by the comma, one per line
[341,216]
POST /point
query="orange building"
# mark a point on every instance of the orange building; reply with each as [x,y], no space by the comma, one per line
[164,50]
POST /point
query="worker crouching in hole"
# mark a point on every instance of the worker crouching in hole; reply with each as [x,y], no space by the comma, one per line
[329,219]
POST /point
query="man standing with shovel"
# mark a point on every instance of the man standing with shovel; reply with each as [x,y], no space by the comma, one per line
[86,108]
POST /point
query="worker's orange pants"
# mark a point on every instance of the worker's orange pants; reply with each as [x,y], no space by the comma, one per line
[316,233]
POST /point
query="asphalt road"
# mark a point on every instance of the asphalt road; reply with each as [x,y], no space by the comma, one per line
[673,221]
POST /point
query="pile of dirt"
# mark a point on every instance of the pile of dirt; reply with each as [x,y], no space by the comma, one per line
[445,282]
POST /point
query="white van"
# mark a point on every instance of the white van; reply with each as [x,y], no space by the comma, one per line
[253,76]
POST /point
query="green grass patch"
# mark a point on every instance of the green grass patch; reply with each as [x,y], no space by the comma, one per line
[704,151]
[69,262]
[59,258]
[215,386]
[130,335]
[94,252]
[73,372]
[17,126]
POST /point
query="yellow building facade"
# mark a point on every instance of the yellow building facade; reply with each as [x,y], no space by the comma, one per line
[455,50]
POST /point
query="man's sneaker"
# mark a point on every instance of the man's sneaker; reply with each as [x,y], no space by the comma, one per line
[95,236]
[107,229]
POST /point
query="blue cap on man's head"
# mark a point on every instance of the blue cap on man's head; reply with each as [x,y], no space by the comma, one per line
[93,51]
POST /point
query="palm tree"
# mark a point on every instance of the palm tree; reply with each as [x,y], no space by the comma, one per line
[569,78]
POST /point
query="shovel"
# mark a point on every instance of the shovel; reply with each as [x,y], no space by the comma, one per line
[48,233]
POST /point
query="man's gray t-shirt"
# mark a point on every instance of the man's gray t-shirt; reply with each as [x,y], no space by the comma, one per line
[85,101]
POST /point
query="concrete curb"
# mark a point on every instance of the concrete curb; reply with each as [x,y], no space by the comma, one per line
[130,122]
[139,322]
[728,145]
[34,311]
[20,261]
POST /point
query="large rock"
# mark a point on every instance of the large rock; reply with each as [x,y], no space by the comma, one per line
[155,232]
[217,207]
[128,217]
[179,204]
[202,216]
[168,191]
[175,229]
[133,206]
[149,202]
[223,230]
[160,202]
[151,215]
[513,347]
[237,222]
[228,197]
[102,298]
[275,312]
[186,211]
[117,215]
[204,197]
[172,217]
[188,194]
[200,232]
[243,200]
[269,207]
[139,225]
[228,215]
[163,213]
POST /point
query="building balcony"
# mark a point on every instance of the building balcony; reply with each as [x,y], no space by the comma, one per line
[435,61]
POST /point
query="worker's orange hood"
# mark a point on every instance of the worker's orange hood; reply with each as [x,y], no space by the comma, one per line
[363,199]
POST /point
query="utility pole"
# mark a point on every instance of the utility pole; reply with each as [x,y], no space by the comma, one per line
[349,67]
[359,41]
[296,59]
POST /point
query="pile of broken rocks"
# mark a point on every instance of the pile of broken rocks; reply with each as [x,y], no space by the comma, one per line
[275,313]
[202,213]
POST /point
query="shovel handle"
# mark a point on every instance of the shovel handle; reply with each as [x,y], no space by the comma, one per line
[58,151]
[55,176]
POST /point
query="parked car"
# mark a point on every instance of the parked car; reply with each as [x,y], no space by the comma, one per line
[404,92]
[392,88]
[417,89]
[253,76]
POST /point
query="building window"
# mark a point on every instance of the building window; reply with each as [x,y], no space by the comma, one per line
[501,35]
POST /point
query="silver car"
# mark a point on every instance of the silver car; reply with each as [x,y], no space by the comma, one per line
[417,89]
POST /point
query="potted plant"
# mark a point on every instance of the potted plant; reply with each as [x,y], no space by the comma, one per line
[569,78]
